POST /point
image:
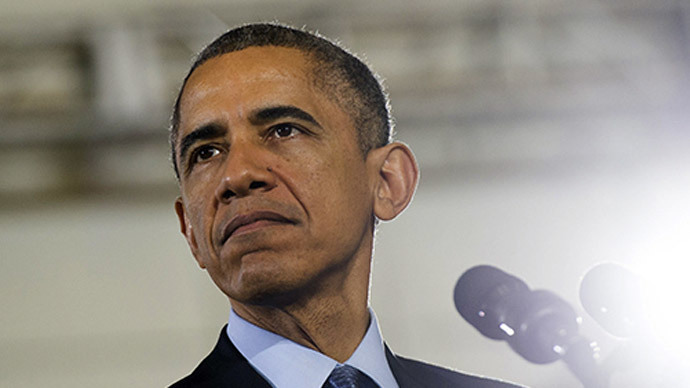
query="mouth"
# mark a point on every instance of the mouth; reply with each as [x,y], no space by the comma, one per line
[245,223]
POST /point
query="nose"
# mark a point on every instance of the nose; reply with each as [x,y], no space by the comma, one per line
[246,171]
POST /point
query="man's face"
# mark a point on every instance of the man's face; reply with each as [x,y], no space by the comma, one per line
[276,196]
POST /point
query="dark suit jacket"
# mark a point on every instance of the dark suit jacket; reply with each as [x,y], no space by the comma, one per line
[226,367]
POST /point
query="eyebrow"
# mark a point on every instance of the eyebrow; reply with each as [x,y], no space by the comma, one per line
[205,132]
[266,115]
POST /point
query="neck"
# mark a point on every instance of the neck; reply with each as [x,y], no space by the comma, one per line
[330,316]
[332,321]
[335,331]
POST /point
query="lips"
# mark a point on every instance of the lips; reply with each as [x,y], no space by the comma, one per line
[243,221]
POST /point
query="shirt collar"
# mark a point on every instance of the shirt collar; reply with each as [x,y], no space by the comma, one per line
[286,364]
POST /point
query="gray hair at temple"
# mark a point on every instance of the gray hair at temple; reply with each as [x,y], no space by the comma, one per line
[343,77]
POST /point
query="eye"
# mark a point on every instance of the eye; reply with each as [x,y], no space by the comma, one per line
[204,153]
[284,130]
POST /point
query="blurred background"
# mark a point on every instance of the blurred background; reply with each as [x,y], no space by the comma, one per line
[551,135]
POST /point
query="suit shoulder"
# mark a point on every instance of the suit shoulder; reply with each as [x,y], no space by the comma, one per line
[429,375]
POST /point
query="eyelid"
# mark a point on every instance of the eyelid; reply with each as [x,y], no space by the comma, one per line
[194,153]
[272,128]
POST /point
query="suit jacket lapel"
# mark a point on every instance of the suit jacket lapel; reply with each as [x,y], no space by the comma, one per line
[225,366]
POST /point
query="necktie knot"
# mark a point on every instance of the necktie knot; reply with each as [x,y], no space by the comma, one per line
[345,376]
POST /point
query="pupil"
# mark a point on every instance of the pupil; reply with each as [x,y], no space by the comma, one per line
[205,154]
[284,131]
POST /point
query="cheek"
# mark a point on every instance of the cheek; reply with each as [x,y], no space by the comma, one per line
[199,213]
[341,189]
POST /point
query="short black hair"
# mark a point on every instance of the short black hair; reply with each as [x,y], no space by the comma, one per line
[340,74]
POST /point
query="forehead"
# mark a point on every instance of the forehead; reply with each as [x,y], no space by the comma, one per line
[251,64]
[237,82]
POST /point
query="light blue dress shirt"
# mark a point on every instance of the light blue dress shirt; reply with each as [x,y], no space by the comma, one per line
[286,364]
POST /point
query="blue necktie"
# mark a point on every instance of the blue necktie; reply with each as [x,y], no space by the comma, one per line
[345,376]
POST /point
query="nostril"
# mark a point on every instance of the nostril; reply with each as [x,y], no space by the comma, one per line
[256,185]
[227,194]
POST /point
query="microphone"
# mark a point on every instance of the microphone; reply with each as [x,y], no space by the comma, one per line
[538,325]
[611,294]
[480,297]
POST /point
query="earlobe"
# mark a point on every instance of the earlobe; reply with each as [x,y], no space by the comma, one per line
[186,230]
[397,180]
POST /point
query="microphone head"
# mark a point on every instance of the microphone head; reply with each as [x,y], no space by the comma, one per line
[480,296]
[611,294]
[538,325]
[545,327]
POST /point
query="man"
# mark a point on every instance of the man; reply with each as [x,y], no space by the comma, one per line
[280,140]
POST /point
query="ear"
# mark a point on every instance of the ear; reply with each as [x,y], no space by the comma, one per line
[186,229]
[396,179]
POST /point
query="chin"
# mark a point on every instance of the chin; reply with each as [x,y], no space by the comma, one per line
[265,296]
[263,289]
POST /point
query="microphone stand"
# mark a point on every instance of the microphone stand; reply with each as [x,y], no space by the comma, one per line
[580,357]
